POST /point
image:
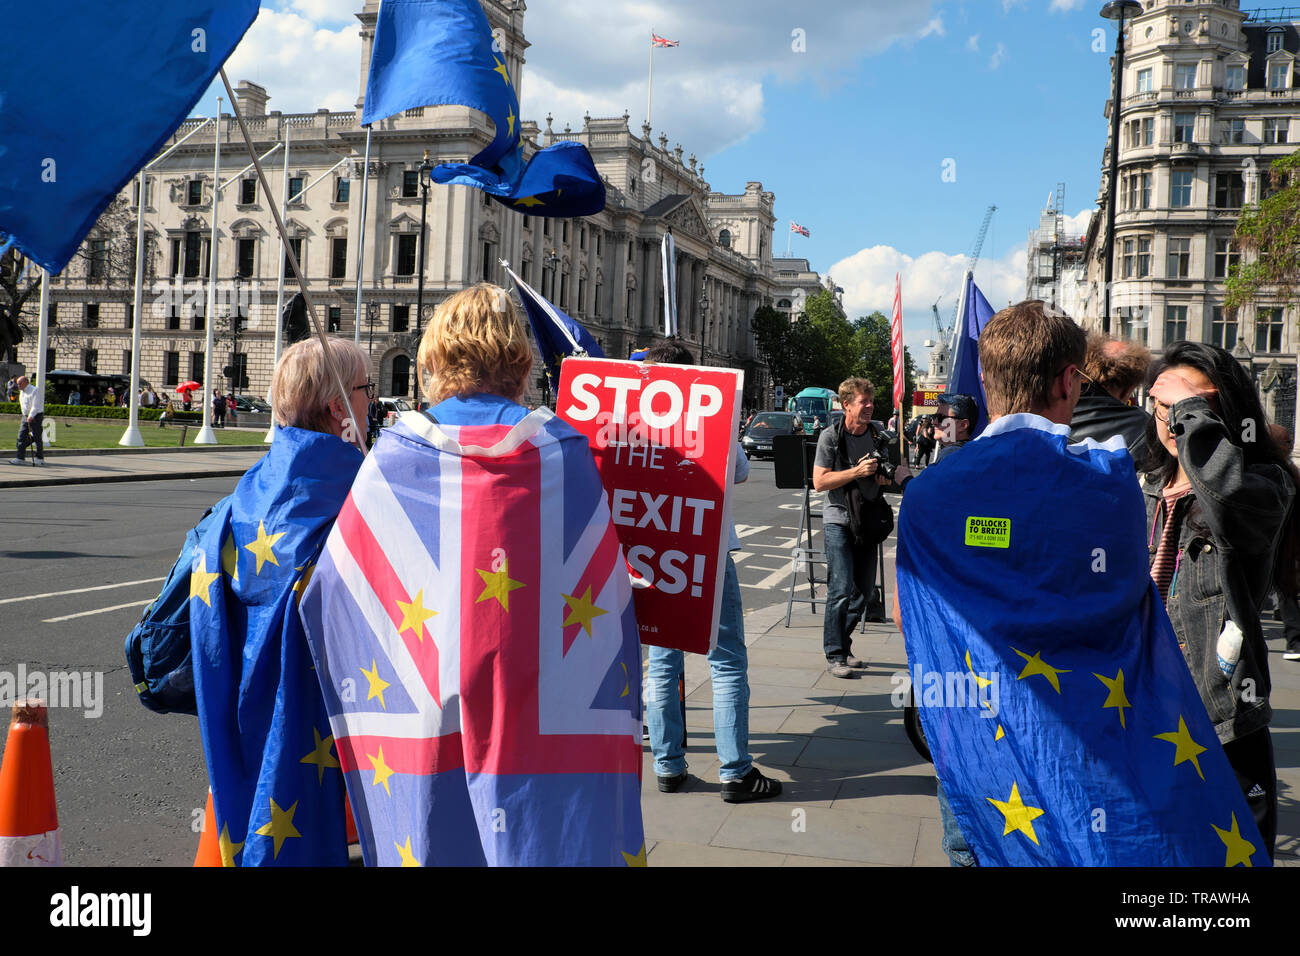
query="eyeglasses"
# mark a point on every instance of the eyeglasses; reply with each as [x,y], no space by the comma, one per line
[369,387]
[1158,406]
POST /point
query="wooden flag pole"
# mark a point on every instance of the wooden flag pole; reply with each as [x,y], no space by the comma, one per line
[358,436]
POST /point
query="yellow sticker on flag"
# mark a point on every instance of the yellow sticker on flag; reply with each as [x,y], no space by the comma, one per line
[988,532]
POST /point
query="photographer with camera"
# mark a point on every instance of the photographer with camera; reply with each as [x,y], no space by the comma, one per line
[853,465]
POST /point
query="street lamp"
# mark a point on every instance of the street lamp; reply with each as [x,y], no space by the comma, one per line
[425,168]
[706,325]
[551,260]
[1117,10]
[372,316]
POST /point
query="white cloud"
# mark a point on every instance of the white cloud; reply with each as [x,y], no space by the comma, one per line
[1077,224]
[998,56]
[303,67]
[1066,6]
[708,93]
[935,26]
[973,43]
[867,277]
[328,10]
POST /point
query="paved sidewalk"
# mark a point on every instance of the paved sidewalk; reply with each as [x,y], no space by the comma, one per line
[91,467]
[855,792]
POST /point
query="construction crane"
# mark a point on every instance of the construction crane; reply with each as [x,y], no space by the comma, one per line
[941,333]
[974,256]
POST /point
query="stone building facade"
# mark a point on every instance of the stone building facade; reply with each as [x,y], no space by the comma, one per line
[604,270]
[1211,98]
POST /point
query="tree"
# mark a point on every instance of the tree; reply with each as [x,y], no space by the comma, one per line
[874,360]
[779,344]
[1269,232]
[824,348]
[20,284]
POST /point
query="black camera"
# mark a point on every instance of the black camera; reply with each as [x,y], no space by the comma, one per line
[886,467]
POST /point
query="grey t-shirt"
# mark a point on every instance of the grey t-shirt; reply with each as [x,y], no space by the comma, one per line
[834,511]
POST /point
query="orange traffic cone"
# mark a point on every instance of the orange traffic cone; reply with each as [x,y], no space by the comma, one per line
[29,820]
[209,853]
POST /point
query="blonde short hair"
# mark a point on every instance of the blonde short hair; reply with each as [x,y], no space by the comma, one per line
[475,343]
[302,386]
[1021,351]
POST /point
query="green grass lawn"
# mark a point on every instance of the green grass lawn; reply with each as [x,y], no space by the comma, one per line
[85,434]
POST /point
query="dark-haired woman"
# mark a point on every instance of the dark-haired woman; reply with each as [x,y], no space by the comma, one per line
[1222,531]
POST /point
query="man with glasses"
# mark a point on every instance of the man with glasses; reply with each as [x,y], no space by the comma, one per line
[1045,602]
[955,420]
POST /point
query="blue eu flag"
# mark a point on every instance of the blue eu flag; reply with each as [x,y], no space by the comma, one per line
[1063,721]
[89,92]
[274,771]
[442,53]
[557,335]
[964,376]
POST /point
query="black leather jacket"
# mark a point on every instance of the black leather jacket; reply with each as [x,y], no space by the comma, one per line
[1232,523]
[1099,415]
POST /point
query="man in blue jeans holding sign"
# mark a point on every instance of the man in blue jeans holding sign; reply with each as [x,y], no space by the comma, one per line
[729,664]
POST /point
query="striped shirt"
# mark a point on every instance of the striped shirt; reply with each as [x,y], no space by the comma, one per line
[1167,559]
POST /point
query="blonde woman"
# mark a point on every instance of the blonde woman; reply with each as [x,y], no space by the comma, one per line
[475,587]
[276,788]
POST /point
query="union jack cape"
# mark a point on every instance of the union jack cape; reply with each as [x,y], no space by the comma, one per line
[473,631]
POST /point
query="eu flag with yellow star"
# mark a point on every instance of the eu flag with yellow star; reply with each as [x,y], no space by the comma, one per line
[557,334]
[472,624]
[276,785]
[1063,721]
[443,53]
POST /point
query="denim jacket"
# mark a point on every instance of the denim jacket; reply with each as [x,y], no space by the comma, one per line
[1231,526]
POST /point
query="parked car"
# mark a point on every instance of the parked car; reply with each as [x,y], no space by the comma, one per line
[247,403]
[764,427]
[394,405]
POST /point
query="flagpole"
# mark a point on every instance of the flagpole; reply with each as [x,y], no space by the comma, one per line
[357,436]
[650,87]
[789,237]
[131,437]
[361,238]
[42,333]
[279,271]
[955,342]
[206,435]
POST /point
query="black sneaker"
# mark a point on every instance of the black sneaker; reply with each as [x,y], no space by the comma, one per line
[753,786]
[672,784]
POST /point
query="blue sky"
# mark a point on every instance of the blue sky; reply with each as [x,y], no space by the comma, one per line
[853,132]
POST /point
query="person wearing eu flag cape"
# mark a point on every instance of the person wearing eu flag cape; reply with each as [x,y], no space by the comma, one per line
[472,624]
[1064,724]
[276,787]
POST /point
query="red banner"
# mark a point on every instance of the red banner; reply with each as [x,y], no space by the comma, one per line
[896,341]
[926,399]
[664,437]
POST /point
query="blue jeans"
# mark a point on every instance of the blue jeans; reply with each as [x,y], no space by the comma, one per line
[954,844]
[850,578]
[729,664]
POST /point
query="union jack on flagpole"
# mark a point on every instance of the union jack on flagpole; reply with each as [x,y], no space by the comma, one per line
[655,41]
[796,228]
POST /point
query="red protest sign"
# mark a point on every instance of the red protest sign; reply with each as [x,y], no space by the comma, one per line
[664,437]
